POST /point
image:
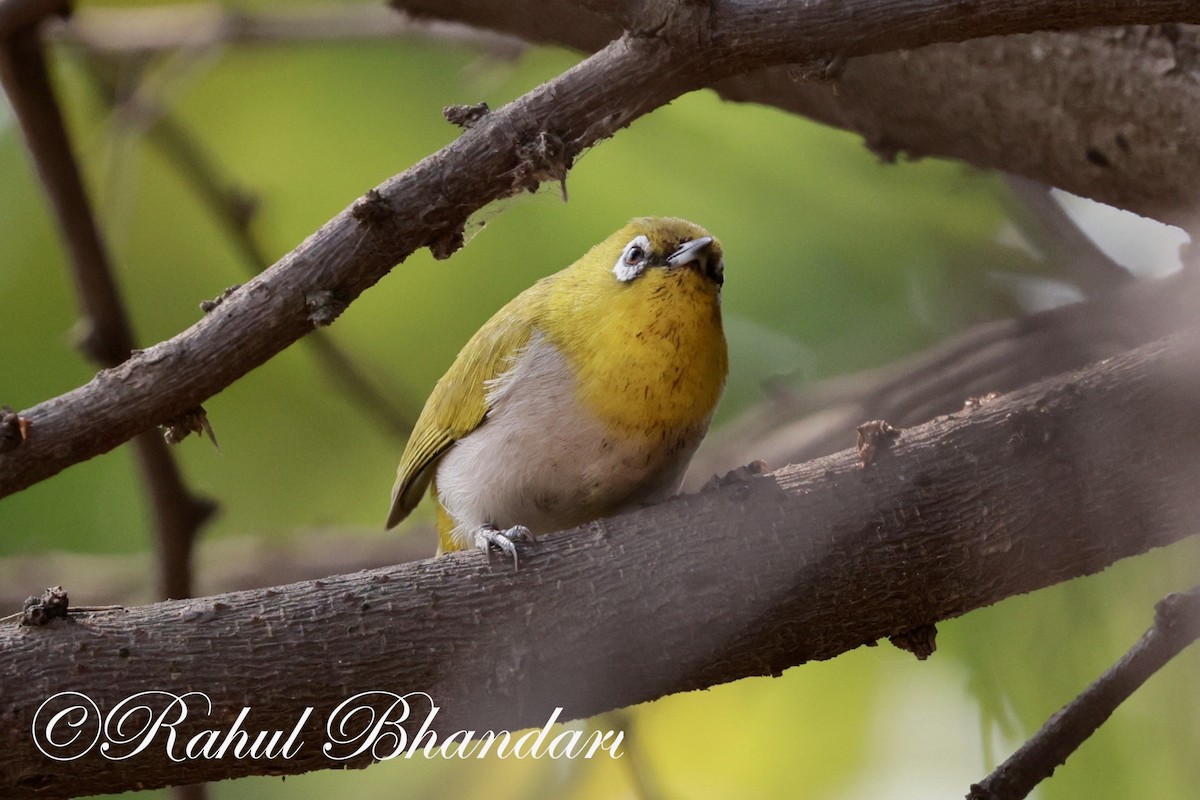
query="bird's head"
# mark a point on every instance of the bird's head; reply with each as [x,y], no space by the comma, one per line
[664,250]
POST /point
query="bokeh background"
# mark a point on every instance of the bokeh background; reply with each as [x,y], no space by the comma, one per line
[836,262]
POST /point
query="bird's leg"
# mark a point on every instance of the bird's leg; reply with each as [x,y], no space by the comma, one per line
[489,536]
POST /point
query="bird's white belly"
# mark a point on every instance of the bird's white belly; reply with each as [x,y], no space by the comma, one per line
[544,461]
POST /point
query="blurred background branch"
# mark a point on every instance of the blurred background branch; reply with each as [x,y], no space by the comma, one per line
[105,334]
[234,207]
[113,31]
[1176,626]
[228,564]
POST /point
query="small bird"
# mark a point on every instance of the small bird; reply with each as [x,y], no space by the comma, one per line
[585,396]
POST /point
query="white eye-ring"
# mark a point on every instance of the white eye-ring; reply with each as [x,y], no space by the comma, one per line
[633,259]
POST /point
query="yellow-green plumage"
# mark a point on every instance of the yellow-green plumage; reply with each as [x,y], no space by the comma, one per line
[585,395]
[457,405]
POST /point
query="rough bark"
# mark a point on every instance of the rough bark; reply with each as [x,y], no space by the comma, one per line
[798,423]
[1109,114]
[676,48]
[1055,481]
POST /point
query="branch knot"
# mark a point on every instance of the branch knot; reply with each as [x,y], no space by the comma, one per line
[371,209]
[324,306]
[680,23]
[40,609]
[874,439]
[465,116]
[543,158]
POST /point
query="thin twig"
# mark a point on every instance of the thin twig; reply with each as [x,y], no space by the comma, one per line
[109,337]
[192,791]
[1053,231]
[234,207]
[1176,625]
[140,31]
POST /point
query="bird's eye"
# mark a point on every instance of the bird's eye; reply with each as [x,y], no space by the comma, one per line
[634,259]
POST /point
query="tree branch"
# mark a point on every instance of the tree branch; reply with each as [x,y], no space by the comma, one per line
[797,423]
[1056,481]
[233,208]
[532,139]
[1106,114]
[17,15]
[1112,111]
[224,564]
[151,29]
[1176,626]
[108,338]
[1051,230]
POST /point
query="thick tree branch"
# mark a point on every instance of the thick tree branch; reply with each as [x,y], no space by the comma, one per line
[108,335]
[797,423]
[1108,114]
[1114,113]
[1176,626]
[1055,481]
[533,139]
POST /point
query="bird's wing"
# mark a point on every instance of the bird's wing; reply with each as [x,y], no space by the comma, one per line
[459,401]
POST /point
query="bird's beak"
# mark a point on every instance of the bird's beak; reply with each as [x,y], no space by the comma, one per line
[691,251]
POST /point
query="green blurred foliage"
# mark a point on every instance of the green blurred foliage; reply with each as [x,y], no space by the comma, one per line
[835,262]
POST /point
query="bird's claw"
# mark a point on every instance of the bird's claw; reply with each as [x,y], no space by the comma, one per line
[487,538]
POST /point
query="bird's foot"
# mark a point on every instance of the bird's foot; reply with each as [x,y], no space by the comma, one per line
[489,537]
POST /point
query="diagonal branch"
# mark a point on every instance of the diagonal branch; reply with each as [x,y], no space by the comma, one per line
[233,208]
[532,139]
[1112,111]
[1049,227]
[1176,626]
[755,576]
[991,357]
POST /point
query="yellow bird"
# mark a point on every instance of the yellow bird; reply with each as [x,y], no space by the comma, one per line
[585,396]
